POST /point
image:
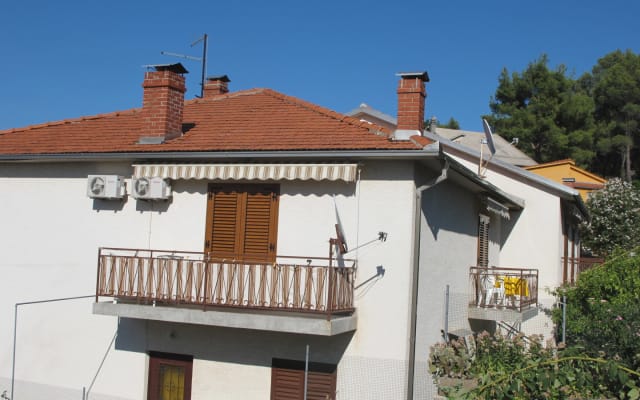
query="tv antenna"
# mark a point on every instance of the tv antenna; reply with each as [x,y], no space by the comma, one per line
[488,140]
[204,39]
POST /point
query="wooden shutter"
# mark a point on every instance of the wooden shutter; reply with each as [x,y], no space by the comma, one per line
[286,384]
[483,241]
[287,380]
[242,221]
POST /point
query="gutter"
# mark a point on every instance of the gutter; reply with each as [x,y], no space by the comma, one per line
[416,270]
[222,155]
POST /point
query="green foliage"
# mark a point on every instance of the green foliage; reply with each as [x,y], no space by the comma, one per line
[603,310]
[542,107]
[616,92]
[594,119]
[615,218]
[451,124]
[506,368]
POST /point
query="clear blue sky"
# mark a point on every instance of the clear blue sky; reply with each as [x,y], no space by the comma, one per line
[67,59]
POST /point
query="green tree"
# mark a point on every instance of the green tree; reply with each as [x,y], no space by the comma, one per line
[615,218]
[549,112]
[451,124]
[615,86]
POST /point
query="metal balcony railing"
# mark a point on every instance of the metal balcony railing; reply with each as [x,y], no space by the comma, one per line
[506,288]
[574,266]
[300,284]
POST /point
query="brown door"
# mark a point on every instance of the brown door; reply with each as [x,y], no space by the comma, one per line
[169,377]
[287,381]
[242,221]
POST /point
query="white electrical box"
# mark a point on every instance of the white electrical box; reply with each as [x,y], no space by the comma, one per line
[152,188]
[106,187]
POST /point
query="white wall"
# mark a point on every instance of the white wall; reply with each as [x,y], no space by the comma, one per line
[51,232]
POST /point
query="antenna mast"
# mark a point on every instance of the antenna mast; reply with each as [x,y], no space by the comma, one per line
[203,59]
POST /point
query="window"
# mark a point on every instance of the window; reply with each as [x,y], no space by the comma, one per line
[483,241]
[242,221]
[287,380]
[169,377]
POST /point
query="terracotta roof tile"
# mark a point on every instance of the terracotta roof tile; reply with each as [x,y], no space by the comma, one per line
[250,120]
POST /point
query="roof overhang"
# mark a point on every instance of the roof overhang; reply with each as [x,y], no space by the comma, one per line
[228,156]
[521,174]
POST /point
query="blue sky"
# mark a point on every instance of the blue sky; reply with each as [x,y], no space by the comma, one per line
[67,59]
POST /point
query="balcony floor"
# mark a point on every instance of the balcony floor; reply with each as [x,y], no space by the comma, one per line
[245,319]
[502,314]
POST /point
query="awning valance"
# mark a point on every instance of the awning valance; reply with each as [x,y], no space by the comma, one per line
[261,172]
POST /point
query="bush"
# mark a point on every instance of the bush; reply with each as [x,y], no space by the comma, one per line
[515,368]
[603,310]
[615,218]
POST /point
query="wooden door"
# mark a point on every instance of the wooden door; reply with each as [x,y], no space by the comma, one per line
[169,377]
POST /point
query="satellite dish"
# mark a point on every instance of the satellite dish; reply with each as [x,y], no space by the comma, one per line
[97,185]
[489,136]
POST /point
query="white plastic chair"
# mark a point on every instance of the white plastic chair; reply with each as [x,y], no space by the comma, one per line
[490,285]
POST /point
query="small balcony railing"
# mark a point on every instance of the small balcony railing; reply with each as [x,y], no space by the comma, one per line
[504,288]
[574,266]
[299,284]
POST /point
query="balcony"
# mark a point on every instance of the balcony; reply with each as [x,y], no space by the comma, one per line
[574,266]
[293,294]
[503,294]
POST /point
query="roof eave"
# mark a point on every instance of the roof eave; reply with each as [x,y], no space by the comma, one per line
[223,155]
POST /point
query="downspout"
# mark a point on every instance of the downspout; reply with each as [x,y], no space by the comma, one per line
[416,272]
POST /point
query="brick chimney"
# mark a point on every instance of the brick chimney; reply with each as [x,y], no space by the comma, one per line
[162,103]
[216,85]
[411,98]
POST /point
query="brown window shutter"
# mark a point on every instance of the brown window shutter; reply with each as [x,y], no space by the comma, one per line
[242,221]
[287,380]
[483,241]
[260,223]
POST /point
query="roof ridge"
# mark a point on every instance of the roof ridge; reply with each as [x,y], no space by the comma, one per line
[69,121]
[229,95]
[372,127]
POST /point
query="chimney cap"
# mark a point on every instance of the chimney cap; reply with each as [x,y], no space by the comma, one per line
[222,78]
[178,68]
[422,75]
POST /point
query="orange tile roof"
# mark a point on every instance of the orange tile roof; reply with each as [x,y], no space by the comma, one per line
[250,120]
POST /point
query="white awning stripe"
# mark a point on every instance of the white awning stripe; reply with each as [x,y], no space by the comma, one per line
[317,172]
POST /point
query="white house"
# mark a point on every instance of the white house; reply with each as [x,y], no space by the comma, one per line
[247,245]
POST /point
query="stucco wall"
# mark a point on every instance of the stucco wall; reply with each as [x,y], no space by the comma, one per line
[51,233]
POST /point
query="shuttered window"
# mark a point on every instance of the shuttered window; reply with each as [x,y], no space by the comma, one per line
[287,380]
[242,221]
[483,241]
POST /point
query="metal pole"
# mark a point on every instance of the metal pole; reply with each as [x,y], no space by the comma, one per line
[13,361]
[306,372]
[15,329]
[204,65]
[446,315]
[84,393]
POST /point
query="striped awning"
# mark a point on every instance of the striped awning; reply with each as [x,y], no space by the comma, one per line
[261,172]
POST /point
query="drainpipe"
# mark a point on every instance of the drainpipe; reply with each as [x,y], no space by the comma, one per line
[416,272]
